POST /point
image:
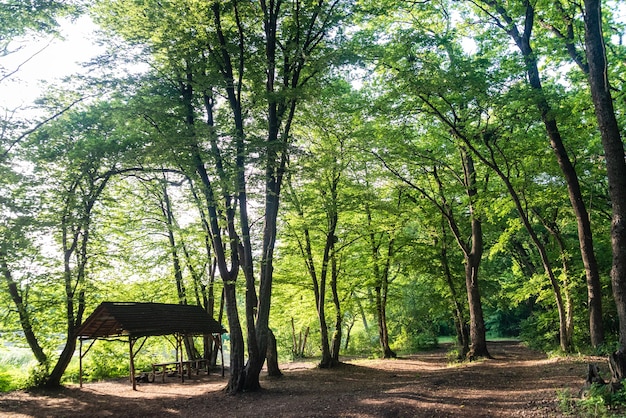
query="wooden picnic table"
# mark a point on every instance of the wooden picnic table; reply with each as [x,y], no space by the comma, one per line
[180,367]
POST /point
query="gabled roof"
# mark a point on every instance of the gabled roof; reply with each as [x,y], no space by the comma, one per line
[138,319]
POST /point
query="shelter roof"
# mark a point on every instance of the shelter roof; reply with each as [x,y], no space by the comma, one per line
[137,319]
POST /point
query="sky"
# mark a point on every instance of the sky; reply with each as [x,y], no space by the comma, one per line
[58,58]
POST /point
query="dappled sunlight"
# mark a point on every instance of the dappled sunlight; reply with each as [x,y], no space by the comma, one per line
[419,385]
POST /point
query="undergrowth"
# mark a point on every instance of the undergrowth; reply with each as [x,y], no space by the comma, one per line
[598,401]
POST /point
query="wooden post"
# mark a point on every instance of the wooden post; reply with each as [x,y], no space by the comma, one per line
[132,362]
[80,362]
[222,351]
[179,346]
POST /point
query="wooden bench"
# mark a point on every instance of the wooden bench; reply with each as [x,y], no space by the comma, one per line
[179,367]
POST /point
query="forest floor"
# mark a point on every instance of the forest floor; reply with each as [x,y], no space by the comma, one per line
[517,382]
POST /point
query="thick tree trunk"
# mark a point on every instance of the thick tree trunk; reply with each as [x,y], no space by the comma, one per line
[472,253]
[272,356]
[73,320]
[75,240]
[473,257]
[327,359]
[237,372]
[383,333]
[563,334]
[613,153]
[478,334]
[54,379]
[335,344]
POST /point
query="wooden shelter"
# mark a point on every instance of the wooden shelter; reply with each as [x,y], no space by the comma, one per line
[135,320]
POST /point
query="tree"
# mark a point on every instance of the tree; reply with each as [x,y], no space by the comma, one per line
[613,152]
[78,155]
[502,18]
[431,94]
[259,56]
[319,203]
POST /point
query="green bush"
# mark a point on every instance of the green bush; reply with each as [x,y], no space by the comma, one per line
[363,342]
[15,366]
[416,340]
[541,331]
[598,401]
[6,380]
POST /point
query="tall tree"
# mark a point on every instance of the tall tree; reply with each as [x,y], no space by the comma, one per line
[613,152]
[79,154]
[316,193]
[522,36]
[259,56]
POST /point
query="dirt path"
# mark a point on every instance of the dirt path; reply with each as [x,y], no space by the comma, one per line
[516,383]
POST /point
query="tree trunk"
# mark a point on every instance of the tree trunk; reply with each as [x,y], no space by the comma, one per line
[462,330]
[319,284]
[383,333]
[272,356]
[564,337]
[327,360]
[553,228]
[237,371]
[563,330]
[335,345]
[217,344]
[22,311]
[76,232]
[168,215]
[54,379]
[478,337]
[473,257]
[613,153]
[381,275]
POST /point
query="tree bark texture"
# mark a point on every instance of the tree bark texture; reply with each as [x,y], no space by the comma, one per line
[381,275]
[473,257]
[273,369]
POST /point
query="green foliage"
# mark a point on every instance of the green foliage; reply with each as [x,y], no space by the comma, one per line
[13,369]
[419,314]
[507,321]
[363,343]
[38,375]
[12,378]
[598,401]
[539,332]
[16,368]
[20,17]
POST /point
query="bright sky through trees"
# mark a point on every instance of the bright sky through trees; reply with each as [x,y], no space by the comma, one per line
[46,59]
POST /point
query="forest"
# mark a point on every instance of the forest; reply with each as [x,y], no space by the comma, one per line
[323,177]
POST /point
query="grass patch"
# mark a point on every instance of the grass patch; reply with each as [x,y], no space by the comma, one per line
[15,365]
